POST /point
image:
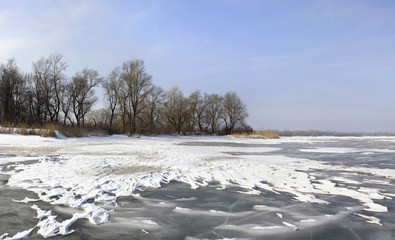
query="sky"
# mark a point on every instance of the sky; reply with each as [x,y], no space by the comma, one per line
[297,64]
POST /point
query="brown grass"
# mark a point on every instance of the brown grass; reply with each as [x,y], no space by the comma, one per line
[6,130]
[257,135]
[47,130]
[74,131]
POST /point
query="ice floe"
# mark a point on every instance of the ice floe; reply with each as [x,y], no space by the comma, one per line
[90,174]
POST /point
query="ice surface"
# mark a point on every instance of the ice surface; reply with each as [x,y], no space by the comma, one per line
[267,208]
[145,224]
[330,150]
[41,213]
[346,150]
[90,174]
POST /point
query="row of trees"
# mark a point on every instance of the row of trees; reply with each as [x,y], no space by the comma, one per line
[45,95]
[134,103]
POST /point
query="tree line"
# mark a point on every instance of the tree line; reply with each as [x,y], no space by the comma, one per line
[134,105]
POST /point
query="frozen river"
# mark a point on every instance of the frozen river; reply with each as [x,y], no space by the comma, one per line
[197,188]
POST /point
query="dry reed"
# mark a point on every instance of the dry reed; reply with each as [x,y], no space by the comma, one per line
[257,135]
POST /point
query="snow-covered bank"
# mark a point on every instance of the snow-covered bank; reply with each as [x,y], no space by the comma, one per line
[90,174]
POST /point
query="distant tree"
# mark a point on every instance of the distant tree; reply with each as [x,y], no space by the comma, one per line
[97,118]
[36,99]
[134,103]
[176,108]
[243,127]
[122,98]
[67,102]
[111,85]
[48,74]
[42,88]
[82,93]
[234,111]
[12,92]
[197,109]
[153,103]
[137,84]
[57,77]
[213,111]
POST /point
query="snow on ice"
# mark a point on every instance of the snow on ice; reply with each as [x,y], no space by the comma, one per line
[73,172]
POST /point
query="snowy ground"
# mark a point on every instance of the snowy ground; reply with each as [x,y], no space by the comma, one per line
[90,175]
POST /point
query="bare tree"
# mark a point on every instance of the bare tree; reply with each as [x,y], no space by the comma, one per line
[111,85]
[213,111]
[137,83]
[20,98]
[153,103]
[97,118]
[57,77]
[45,96]
[123,107]
[176,108]
[42,87]
[82,93]
[12,92]
[67,101]
[48,80]
[235,111]
[197,108]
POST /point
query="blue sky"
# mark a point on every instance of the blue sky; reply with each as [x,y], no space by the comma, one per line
[327,65]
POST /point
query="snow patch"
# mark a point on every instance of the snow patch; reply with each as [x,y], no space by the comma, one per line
[370,219]
[295,228]
[307,220]
[265,228]
[26,200]
[20,235]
